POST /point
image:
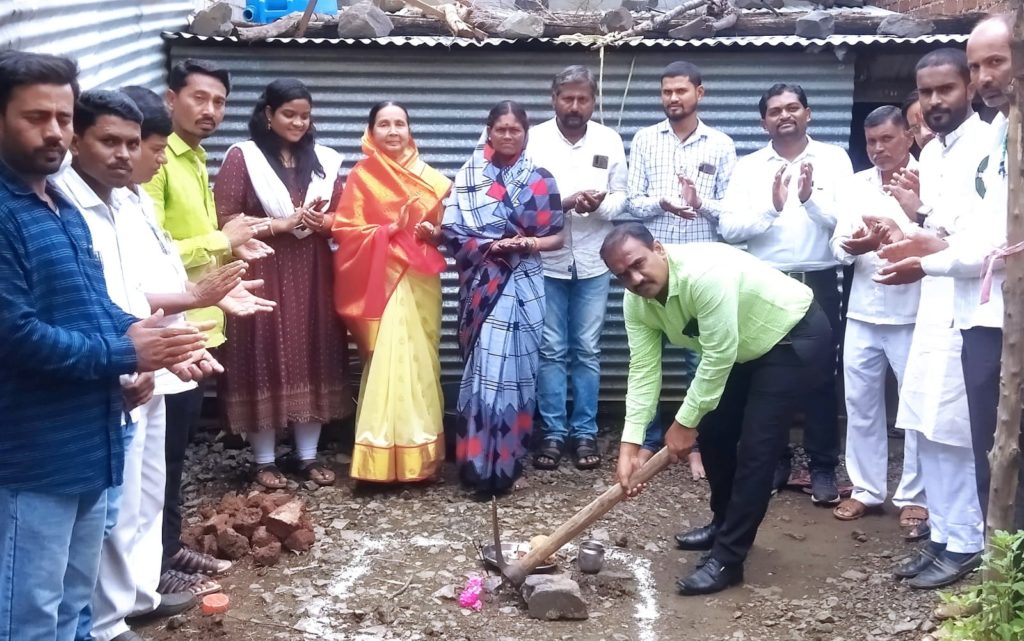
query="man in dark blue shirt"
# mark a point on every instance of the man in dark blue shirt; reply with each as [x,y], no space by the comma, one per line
[63,344]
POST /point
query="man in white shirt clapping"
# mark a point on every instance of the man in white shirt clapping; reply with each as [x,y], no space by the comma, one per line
[879,323]
[782,202]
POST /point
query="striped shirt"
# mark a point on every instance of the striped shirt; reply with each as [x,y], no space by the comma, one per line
[656,160]
[63,345]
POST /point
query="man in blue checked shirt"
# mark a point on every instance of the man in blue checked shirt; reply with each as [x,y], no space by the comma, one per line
[63,344]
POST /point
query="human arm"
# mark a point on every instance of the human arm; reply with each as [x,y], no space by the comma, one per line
[716,301]
[639,203]
[195,251]
[747,210]
[643,383]
[207,291]
[823,205]
[614,204]
[713,207]
[31,343]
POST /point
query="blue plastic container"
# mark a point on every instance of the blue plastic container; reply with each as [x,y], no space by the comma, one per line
[263,11]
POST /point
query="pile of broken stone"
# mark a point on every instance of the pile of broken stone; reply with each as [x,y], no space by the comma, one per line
[259,524]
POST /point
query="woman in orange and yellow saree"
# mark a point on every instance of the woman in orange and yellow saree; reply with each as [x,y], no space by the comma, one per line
[388,291]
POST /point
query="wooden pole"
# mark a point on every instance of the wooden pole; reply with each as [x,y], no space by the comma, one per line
[1005,455]
[304,21]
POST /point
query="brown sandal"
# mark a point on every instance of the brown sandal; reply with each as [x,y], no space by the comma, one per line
[190,561]
[912,515]
[270,477]
[317,472]
[852,509]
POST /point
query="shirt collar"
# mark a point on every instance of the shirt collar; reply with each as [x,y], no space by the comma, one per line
[179,147]
[699,132]
[807,152]
[565,141]
[950,139]
[79,191]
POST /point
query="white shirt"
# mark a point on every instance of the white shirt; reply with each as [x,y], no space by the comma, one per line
[974,237]
[116,248]
[163,272]
[797,238]
[656,160]
[596,161]
[871,302]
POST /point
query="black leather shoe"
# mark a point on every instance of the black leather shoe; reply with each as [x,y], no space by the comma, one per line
[917,564]
[945,571]
[170,604]
[711,577]
[701,538]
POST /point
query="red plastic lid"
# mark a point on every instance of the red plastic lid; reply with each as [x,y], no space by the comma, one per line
[216,603]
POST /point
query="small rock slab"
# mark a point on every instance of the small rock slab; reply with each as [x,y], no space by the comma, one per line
[904,26]
[816,24]
[364,20]
[553,598]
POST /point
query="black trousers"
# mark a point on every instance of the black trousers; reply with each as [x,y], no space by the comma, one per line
[981,357]
[820,403]
[183,412]
[743,438]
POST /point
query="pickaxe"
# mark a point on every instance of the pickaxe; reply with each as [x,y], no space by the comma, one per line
[517,571]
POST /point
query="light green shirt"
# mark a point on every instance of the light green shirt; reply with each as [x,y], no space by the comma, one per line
[184,207]
[723,303]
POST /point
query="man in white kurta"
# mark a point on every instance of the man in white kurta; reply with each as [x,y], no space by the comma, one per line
[933,401]
[130,556]
[879,323]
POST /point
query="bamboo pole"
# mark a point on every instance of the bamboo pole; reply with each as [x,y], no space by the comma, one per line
[1005,455]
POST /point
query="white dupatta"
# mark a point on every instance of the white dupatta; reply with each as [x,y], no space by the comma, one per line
[272,192]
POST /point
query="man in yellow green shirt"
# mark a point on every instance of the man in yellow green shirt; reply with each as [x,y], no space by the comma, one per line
[183,205]
[762,342]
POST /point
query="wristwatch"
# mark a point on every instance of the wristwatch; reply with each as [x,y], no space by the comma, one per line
[923,212]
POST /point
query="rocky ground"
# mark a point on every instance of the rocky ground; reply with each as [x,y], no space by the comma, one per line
[387,563]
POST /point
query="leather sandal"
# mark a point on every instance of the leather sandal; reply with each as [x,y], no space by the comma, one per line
[270,477]
[548,455]
[585,447]
[852,509]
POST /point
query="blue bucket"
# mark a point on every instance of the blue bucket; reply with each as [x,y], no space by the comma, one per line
[264,11]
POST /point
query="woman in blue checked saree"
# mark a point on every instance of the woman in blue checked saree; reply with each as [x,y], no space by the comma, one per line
[502,211]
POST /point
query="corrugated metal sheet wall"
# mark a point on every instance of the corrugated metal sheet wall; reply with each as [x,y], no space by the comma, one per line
[449,91]
[115,43]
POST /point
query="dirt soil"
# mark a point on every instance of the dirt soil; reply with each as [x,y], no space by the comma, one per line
[388,561]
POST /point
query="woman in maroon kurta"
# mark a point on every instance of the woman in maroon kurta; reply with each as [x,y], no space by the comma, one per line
[286,369]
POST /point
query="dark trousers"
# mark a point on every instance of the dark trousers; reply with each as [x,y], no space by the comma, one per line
[820,403]
[183,412]
[743,438]
[981,357]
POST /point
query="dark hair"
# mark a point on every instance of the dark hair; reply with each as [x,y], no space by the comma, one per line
[156,121]
[274,95]
[374,110]
[506,107]
[885,115]
[778,89]
[575,74]
[947,56]
[103,102]
[21,69]
[178,78]
[683,69]
[909,102]
[621,233]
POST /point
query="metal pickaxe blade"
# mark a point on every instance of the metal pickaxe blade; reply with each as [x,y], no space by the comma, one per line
[499,554]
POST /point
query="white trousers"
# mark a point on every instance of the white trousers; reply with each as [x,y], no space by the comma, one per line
[131,554]
[868,351]
[953,509]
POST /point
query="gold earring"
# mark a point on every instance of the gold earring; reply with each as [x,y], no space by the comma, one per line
[268,124]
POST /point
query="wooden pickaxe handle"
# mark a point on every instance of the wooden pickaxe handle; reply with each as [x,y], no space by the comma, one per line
[518,571]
